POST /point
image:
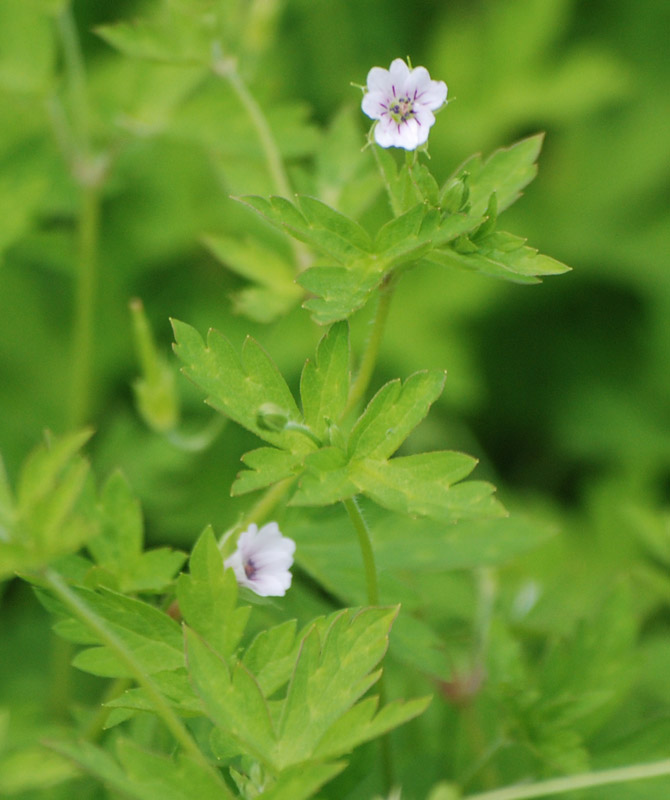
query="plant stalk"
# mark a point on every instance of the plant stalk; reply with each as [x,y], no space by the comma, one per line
[365,543]
[372,586]
[227,69]
[571,783]
[371,353]
[84,314]
[161,707]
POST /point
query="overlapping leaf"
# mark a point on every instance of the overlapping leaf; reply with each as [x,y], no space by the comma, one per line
[447,226]
[118,548]
[207,597]
[329,465]
[319,718]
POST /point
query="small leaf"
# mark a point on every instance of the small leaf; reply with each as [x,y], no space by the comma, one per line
[321,215]
[44,465]
[316,224]
[501,255]
[340,291]
[325,479]
[506,172]
[358,726]
[122,534]
[207,597]
[302,781]
[267,467]
[271,656]
[239,387]
[117,548]
[401,229]
[324,384]
[232,700]
[151,636]
[393,413]
[425,183]
[421,485]
[332,672]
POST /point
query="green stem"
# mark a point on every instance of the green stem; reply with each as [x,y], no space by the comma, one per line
[88,173]
[107,637]
[261,508]
[365,543]
[227,69]
[84,314]
[76,78]
[396,205]
[369,360]
[263,131]
[571,783]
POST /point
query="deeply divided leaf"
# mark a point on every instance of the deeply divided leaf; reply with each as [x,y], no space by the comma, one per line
[239,387]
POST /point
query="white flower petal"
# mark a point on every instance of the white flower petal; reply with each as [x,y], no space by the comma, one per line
[402,102]
[433,96]
[379,80]
[262,560]
[374,104]
[386,133]
[399,72]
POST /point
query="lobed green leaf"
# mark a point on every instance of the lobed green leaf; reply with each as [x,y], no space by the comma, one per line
[324,383]
[506,172]
[393,413]
[325,479]
[232,699]
[207,598]
[267,467]
[421,485]
[358,725]
[239,387]
[339,290]
[333,670]
[153,638]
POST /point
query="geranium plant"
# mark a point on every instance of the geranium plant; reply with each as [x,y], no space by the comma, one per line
[251,666]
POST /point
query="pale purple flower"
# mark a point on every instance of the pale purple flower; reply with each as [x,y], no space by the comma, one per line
[403,101]
[262,560]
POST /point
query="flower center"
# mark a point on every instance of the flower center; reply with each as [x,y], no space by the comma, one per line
[401,109]
[249,569]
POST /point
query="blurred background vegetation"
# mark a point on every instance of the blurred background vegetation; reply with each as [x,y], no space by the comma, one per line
[562,389]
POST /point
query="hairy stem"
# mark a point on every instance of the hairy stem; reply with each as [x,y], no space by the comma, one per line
[84,313]
[396,205]
[365,543]
[75,73]
[371,353]
[227,69]
[571,783]
[261,508]
[73,134]
[108,638]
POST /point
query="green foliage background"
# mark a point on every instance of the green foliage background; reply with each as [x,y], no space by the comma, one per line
[561,390]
